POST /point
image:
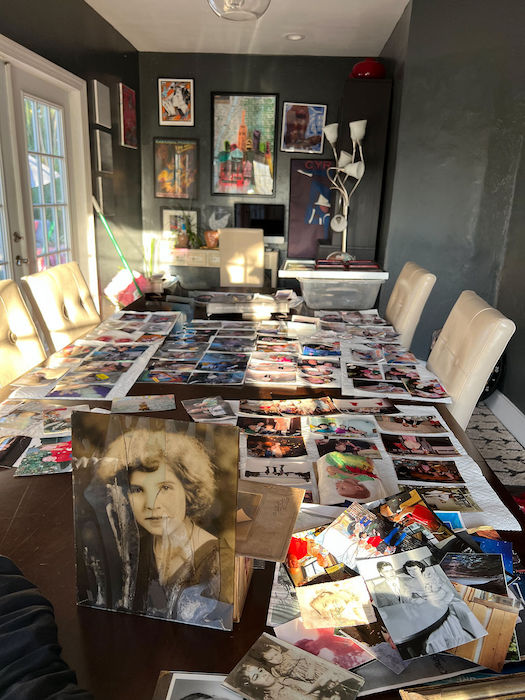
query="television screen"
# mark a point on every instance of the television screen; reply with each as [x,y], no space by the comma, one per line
[269,217]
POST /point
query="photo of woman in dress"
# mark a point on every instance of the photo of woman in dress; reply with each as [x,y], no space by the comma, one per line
[154,490]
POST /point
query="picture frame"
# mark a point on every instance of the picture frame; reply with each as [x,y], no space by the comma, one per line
[176,101]
[172,221]
[100,104]
[103,151]
[302,128]
[175,168]
[128,116]
[243,138]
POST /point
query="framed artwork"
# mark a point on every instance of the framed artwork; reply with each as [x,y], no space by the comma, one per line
[128,116]
[216,217]
[106,194]
[309,206]
[243,137]
[101,104]
[302,128]
[175,221]
[176,102]
[176,168]
[103,151]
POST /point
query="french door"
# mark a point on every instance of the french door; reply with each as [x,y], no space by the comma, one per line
[45,182]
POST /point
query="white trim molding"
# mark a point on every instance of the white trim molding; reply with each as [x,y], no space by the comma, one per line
[509,414]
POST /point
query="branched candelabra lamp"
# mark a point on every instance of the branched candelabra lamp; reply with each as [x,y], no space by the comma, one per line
[347,165]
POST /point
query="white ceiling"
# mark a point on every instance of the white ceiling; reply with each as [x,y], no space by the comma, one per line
[332,27]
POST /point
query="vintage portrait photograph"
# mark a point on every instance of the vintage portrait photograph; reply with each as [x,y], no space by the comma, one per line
[272,668]
[420,607]
[335,604]
[302,128]
[154,534]
[176,102]
[192,686]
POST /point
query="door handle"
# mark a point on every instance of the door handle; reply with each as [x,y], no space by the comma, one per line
[21,261]
[17,237]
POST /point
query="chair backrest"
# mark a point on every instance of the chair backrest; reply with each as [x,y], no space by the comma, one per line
[20,346]
[468,347]
[408,299]
[62,303]
[242,257]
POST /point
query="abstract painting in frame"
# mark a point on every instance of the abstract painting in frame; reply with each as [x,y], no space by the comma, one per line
[176,168]
[154,513]
[128,116]
[243,135]
[302,128]
[176,102]
[309,211]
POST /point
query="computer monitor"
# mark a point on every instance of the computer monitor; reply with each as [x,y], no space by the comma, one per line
[269,217]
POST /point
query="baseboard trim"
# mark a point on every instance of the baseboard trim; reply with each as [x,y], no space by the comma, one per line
[509,414]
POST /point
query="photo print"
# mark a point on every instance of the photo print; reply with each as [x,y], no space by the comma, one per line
[409,424]
[143,404]
[154,532]
[347,446]
[51,456]
[348,477]
[210,408]
[280,425]
[12,447]
[41,376]
[309,562]
[335,604]
[401,372]
[426,470]
[373,407]
[178,685]
[269,377]
[372,372]
[417,445]
[418,604]
[425,388]
[268,447]
[223,362]
[283,605]
[343,426]
[289,472]
[376,640]
[216,378]
[289,673]
[378,387]
[447,497]
[479,570]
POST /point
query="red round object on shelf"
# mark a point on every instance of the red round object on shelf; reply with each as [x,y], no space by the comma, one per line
[369,68]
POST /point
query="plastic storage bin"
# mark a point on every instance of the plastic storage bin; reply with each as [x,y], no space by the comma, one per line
[340,293]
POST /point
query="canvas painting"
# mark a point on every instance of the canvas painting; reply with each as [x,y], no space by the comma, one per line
[289,673]
[302,128]
[243,144]
[309,215]
[154,532]
[176,168]
[176,102]
[128,117]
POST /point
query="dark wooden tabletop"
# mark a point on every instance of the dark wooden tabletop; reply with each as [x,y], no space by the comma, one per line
[116,655]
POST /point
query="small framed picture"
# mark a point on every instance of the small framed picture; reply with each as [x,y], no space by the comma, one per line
[100,104]
[216,217]
[176,102]
[103,151]
[302,128]
[176,168]
[128,116]
[176,222]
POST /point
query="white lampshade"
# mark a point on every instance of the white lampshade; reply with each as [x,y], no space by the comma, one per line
[338,223]
[239,10]
[344,159]
[356,170]
[330,131]
[357,130]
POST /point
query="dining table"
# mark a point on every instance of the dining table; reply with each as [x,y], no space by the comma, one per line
[118,656]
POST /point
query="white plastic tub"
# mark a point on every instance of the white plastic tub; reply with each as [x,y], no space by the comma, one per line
[339,293]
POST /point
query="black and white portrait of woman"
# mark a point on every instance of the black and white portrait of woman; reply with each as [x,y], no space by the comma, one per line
[155,517]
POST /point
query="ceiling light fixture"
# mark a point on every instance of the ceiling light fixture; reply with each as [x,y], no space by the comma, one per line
[294,37]
[239,10]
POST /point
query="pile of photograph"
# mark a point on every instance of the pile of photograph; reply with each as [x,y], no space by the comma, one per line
[35,435]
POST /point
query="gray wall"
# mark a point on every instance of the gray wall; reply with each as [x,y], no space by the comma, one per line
[457,163]
[293,78]
[72,35]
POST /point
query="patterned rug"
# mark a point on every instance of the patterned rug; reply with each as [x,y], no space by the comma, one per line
[503,453]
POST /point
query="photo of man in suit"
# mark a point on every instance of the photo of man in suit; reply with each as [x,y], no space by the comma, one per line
[393,588]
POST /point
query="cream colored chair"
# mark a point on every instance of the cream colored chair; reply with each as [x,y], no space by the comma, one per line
[466,351]
[62,303]
[408,299]
[20,346]
[242,257]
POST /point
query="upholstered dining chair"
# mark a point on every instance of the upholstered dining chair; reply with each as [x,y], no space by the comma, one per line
[62,303]
[242,257]
[408,299]
[20,345]
[466,351]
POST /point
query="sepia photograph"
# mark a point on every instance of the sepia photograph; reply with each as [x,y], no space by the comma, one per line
[335,604]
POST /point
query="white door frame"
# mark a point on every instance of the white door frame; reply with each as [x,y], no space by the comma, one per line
[82,222]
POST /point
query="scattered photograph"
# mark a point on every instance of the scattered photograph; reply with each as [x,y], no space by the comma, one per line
[348,476]
[307,561]
[165,376]
[57,419]
[289,473]
[316,349]
[307,407]
[270,366]
[280,425]
[289,673]
[275,347]
[209,408]
[187,355]
[372,372]
[408,424]
[374,407]
[302,128]
[12,447]
[400,372]
[313,366]
[425,389]
[162,560]
[400,357]
[52,456]
[143,404]
[417,445]
[275,447]
[80,390]
[180,685]
[20,416]
[343,425]
[418,604]
[479,570]
[427,470]
[448,498]
[116,353]
[366,354]
[223,362]
[216,378]
[335,604]
[339,650]
[283,605]
[272,377]
[499,615]
[388,388]
[278,357]
[376,640]
[41,376]
[234,345]
[347,446]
